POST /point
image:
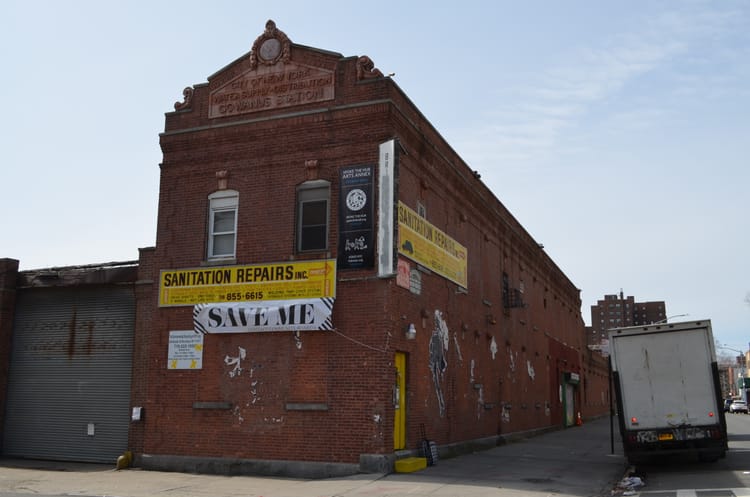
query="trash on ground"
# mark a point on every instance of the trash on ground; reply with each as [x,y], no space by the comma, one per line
[631,483]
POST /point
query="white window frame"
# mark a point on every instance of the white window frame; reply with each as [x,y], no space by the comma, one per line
[313,191]
[222,201]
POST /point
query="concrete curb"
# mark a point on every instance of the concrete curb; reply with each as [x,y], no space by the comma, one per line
[245,467]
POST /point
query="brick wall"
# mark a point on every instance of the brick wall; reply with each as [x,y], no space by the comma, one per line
[504,365]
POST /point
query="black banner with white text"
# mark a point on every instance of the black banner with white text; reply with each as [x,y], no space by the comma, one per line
[356,210]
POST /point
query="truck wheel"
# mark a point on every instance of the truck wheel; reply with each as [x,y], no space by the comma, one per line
[709,457]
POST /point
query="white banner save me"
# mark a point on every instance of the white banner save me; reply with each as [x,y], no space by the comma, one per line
[270,315]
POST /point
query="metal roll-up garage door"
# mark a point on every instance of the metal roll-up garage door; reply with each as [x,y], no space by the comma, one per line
[70,368]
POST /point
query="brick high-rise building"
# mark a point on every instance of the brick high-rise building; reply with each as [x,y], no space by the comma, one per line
[616,311]
[649,312]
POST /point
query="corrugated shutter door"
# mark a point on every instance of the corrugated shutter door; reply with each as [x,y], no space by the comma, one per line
[70,369]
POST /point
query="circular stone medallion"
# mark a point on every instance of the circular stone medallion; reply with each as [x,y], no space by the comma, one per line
[270,49]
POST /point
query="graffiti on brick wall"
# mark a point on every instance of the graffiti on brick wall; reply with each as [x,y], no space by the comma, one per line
[379,424]
[238,372]
[480,402]
[438,347]
[236,362]
[505,413]
[512,365]
[458,348]
[530,370]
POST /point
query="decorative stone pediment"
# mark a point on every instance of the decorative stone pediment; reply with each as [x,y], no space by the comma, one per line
[273,80]
[272,46]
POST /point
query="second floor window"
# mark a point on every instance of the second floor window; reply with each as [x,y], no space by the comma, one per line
[313,198]
[222,224]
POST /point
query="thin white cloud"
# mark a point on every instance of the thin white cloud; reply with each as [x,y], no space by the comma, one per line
[636,119]
[537,116]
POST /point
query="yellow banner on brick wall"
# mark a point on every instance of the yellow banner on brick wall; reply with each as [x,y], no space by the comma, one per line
[281,281]
[427,245]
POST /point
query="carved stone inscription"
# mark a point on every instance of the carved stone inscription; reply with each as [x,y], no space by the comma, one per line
[271,87]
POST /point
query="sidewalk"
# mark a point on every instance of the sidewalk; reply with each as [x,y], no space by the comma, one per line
[576,461]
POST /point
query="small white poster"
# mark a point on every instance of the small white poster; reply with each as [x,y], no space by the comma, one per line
[185,350]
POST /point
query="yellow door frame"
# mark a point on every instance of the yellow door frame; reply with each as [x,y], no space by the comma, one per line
[399,402]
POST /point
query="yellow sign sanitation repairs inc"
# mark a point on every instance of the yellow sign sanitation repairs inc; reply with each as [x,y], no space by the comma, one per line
[425,244]
[282,281]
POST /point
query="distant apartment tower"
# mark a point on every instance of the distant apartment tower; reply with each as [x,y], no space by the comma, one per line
[616,311]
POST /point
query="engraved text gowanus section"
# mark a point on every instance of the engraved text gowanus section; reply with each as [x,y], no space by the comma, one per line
[272,87]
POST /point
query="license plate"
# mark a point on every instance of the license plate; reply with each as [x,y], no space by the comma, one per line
[665,436]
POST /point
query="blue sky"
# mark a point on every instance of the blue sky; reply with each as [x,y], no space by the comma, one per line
[613,131]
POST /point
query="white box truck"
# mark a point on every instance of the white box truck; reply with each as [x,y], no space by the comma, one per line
[667,388]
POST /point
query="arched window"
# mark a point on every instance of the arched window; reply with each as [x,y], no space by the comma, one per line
[313,199]
[222,224]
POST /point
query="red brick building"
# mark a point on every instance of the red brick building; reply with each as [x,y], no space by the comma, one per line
[331,283]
